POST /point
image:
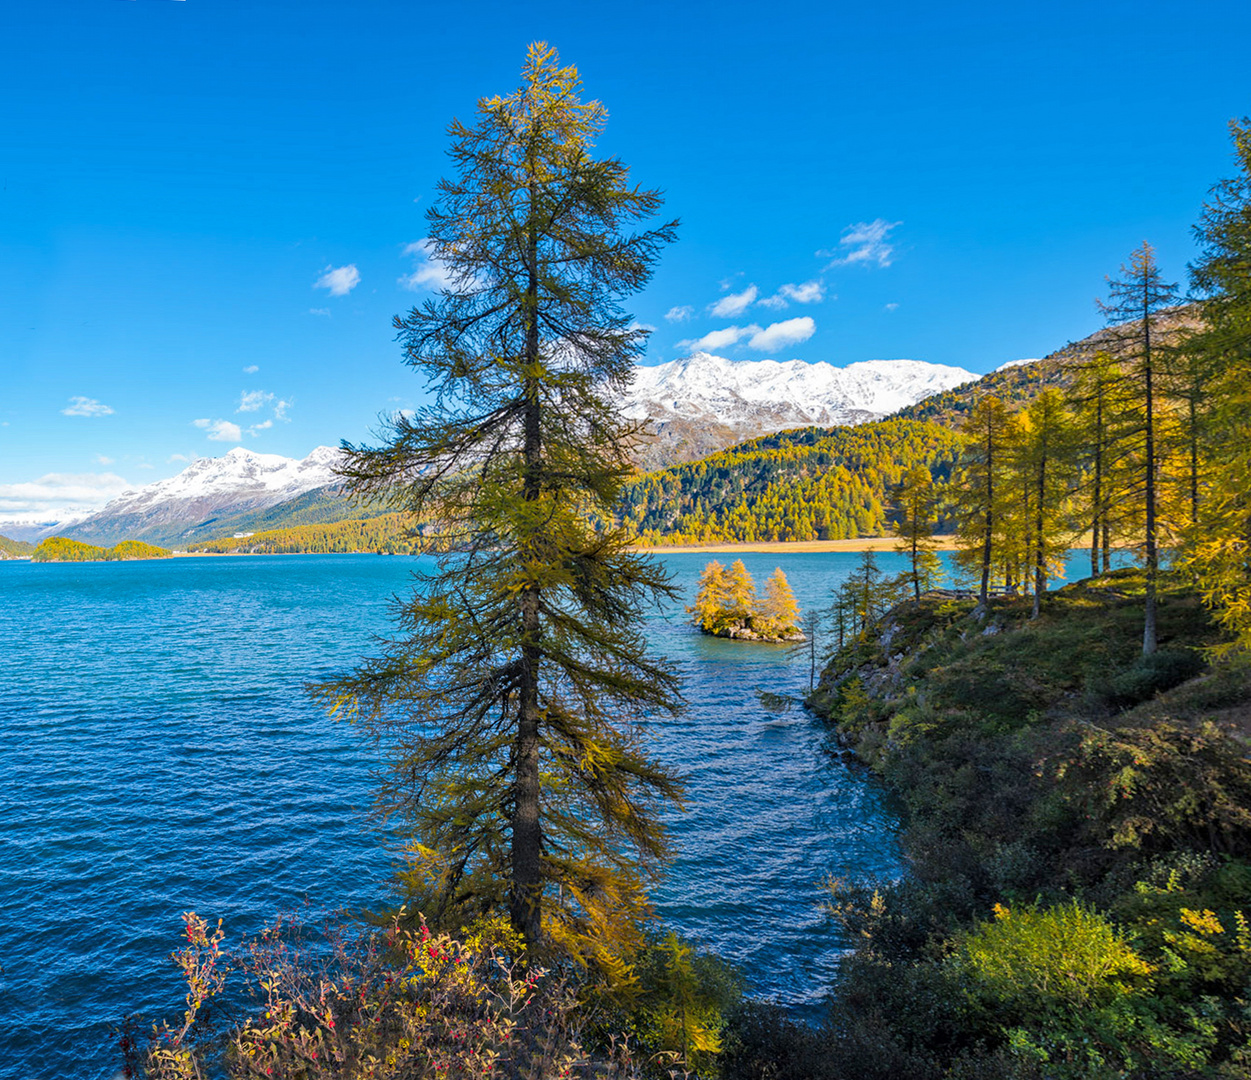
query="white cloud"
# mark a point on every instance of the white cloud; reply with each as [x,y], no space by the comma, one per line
[252,400]
[59,495]
[647,328]
[176,457]
[891,306]
[864,242]
[280,410]
[734,304]
[680,313]
[339,280]
[251,369]
[102,460]
[220,430]
[85,406]
[779,334]
[429,274]
[719,339]
[262,426]
[319,311]
[146,465]
[810,292]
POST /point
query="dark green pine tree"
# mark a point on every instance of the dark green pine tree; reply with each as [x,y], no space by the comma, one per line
[509,702]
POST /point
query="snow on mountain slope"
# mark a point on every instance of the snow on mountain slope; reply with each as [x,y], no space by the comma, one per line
[703,403]
[696,406]
[239,481]
[261,479]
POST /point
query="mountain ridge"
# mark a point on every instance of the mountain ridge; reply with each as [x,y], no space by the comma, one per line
[697,405]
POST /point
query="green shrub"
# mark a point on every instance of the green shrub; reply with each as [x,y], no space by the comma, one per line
[1150,675]
[1040,960]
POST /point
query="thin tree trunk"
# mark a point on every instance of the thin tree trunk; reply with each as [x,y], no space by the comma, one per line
[1194,458]
[916,576]
[1153,557]
[1040,560]
[1098,492]
[988,539]
[525,903]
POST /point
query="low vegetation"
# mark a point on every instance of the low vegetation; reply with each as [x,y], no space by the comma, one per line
[409,1002]
[1078,827]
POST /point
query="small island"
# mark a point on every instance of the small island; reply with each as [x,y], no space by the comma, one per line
[727,605]
[60,549]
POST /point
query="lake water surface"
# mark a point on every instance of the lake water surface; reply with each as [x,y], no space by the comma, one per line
[157,755]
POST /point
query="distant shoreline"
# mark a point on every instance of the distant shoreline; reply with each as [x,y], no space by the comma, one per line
[863,543]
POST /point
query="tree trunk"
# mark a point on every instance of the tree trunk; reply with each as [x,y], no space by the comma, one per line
[988,539]
[1153,557]
[525,902]
[1098,492]
[1040,559]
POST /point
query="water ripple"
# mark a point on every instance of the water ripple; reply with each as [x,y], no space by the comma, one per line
[157,754]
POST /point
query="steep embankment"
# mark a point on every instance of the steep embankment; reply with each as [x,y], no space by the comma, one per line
[1078,822]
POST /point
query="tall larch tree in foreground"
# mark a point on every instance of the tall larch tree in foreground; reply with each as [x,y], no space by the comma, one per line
[509,702]
[1218,547]
[912,522]
[1135,302]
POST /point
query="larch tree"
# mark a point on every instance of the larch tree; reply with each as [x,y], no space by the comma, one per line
[912,514]
[976,486]
[1136,300]
[1046,454]
[1218,548]
[740,594]
[710,600]
[778,611]
[1097,395]
[510,701]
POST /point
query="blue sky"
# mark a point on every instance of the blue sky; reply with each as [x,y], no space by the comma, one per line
[942,182]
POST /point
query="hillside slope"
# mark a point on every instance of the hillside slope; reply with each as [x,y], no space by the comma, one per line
[1078,832]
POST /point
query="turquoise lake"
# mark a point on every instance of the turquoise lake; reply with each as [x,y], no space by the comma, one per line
[157,755]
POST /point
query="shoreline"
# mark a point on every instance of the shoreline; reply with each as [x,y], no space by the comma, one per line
[863,543]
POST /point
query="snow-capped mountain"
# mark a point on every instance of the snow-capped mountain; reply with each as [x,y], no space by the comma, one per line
[703,403]
[206,491]
[695,406]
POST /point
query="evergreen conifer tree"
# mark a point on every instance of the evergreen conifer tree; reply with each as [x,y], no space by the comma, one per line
[508,702]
